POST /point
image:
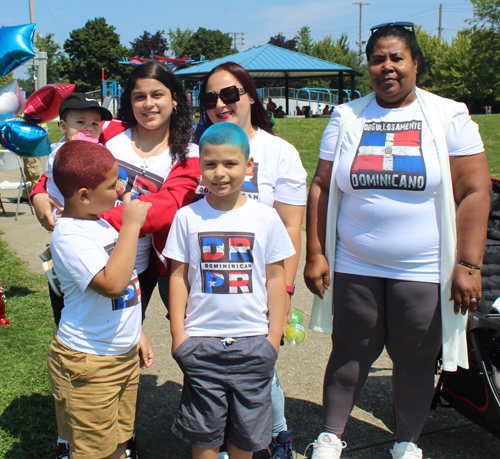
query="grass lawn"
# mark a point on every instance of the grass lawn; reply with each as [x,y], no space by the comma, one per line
[489,127]
[306,134]
[55,133]
[27,423]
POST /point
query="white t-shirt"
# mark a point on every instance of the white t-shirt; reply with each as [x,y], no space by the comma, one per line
[227,254]
[52,189]
[90,322]
[142,181]
[389,174]
[278,174]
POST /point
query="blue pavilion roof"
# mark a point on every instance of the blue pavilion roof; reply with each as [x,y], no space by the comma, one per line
[269,61]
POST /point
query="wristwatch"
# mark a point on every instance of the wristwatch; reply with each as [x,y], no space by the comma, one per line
[290,289]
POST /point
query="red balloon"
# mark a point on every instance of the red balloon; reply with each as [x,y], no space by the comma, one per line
[43,105]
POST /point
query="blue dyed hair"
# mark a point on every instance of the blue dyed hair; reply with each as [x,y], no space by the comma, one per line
[226,134]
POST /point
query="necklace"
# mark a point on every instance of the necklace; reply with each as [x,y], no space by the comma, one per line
[144,158]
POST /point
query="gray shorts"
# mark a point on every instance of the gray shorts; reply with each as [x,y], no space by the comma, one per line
[227,390]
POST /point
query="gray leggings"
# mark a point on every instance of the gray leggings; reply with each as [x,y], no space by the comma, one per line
[371,312]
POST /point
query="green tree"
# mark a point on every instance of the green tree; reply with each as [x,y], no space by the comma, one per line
[146,44]
[26,84]
[484,44]
[211,44]
[90,49]
[179,40]
[431,49]
[487,14]
[336,50]
[55,58]
[6,79]
[304,40]
[450,74]
[339,52]
[281,41]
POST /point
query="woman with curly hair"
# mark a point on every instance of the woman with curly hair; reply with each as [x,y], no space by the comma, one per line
[151,143]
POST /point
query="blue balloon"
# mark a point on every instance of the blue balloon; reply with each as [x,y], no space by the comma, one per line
[25,139]
[16,46]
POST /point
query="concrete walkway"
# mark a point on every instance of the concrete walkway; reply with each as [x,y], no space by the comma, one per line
[369,434]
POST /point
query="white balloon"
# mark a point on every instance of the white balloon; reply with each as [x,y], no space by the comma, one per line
[12,101]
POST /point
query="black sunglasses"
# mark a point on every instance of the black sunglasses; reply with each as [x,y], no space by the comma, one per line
[228,95]
[406,25]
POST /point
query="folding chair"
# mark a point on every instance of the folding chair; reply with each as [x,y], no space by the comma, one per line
[9,162]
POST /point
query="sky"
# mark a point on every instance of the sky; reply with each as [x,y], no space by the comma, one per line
[258,22]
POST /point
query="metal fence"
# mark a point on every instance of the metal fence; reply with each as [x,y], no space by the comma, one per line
[280,93]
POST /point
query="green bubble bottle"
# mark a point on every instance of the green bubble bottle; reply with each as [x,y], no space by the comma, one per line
[295,331]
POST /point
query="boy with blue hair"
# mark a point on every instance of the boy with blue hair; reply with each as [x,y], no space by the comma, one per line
[227,303]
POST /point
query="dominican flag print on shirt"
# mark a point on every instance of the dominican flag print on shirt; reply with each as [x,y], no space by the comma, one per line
[389,156]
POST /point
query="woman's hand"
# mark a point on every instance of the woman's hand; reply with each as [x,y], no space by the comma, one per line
[464,288]
[317,271]
[44,205]
[471,189]
[317,274]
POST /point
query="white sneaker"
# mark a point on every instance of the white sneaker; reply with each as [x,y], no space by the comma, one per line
[223,455]
[406,450]
[327,446]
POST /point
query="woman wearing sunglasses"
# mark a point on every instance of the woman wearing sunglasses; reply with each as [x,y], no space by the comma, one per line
[228,93]
[396,227]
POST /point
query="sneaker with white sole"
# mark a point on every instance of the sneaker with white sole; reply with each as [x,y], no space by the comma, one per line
[62,450]
[46,255]
[131,449]
[406,450]
[54,283]
[281,446]
[327,446]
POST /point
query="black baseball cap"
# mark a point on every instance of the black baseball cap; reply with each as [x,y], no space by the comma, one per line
[80,101]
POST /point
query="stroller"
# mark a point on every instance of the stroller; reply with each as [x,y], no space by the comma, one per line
[475,393]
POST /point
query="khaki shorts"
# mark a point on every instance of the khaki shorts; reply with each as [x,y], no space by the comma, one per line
[96,396]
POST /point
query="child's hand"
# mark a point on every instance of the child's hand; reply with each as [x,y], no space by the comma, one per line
[134,212]
[146,354]
[177,341]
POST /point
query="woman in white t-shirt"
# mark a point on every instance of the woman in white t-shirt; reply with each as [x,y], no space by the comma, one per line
[228,93]
[393,167]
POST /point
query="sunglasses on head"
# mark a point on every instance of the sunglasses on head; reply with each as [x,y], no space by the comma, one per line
[228,95]
[406,25]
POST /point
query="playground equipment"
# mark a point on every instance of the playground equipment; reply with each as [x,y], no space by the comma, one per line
[171,62]
[168,61]
[195,94]
[330,92]
[111,88]
[111,94]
